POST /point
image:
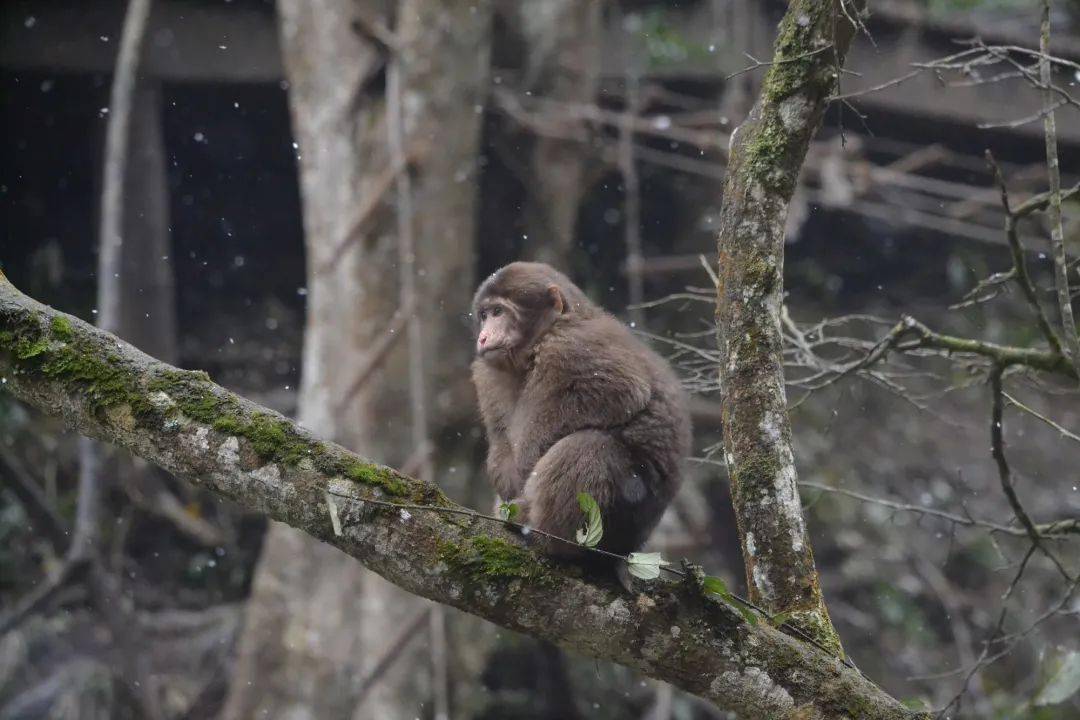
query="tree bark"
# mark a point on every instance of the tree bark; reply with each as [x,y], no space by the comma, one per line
[184,423]
[147,287]
[766,156]
[317,623]
[563,43]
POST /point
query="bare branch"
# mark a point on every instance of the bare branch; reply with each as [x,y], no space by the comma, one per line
[1057,529]
[997,448]
[17,478]
[760,64]
[1034,413]
[1020,269]
[876,88]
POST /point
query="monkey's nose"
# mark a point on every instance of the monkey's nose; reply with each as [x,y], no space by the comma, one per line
[482,340]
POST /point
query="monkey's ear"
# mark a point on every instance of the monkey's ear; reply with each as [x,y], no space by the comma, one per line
[557,299]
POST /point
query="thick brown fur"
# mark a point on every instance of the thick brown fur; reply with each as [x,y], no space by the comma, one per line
[573,402]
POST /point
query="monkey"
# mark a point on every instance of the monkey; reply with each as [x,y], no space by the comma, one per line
[572,402]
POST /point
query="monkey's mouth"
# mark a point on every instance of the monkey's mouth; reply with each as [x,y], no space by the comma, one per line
[497,356]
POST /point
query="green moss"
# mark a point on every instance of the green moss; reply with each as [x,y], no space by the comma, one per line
[485,558]
[61,328]
[818,627]
[760,270]
[271,437]
[754,474]
[275,437]
[795,67]
[29,349]
[105,381]
[792,62]
[227,424]
[377,476]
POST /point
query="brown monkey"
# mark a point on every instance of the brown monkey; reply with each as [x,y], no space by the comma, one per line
[573,402]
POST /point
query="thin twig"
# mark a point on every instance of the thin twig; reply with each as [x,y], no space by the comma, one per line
[17,478]
[761,63]
[876,88]
[1046,530]
[997,449]
[1019,258]
[1042,114]
[1066,433]
[71,569]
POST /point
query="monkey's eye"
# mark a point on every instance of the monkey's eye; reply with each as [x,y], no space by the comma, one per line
[496,311]
[483,315]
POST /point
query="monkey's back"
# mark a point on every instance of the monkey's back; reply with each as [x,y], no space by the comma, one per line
[631,392]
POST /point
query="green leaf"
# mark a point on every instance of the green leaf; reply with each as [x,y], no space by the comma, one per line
[779,619]
[509,511]
[1064,683]
[645,565]
[593,529]
[716,586]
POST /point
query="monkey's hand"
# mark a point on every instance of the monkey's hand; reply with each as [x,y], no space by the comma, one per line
[516,510]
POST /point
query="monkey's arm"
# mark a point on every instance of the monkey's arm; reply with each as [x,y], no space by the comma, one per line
[496,393]
[502,469]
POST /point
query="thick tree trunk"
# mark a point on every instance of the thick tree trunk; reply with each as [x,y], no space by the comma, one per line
[563,43]
[133,227]
[766,156]
[147,292]
[318,624]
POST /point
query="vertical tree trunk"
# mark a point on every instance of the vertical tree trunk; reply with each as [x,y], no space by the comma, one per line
[767,153]
[319,626]
[563,63]
[147,311]
[133,226]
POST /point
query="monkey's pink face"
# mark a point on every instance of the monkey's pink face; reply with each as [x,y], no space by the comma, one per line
[500,331]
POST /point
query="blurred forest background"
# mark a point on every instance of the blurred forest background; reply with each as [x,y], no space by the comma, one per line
[273,151]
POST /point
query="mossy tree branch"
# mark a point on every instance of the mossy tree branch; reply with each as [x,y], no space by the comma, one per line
[766,156]
[184,423]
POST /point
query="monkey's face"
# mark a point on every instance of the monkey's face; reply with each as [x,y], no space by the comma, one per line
[502,331]
[514,309]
